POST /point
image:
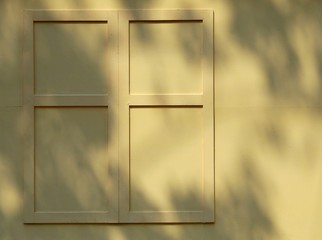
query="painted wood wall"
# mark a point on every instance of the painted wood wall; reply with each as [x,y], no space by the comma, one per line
[268,128]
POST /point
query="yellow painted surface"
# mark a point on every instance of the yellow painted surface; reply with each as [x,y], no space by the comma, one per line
[80,46]
[160,169]
[71,159]
[267,130]
[64,118]
[10,56]
[164,74]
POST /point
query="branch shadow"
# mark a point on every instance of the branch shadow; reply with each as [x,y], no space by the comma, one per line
[284,37]
[242,214]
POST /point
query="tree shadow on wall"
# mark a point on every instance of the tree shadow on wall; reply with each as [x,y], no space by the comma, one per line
[284,36]
[242,213]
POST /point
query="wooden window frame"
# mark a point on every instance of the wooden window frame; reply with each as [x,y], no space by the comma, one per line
[119,211]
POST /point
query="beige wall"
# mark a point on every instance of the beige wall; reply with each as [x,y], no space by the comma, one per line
[268,128]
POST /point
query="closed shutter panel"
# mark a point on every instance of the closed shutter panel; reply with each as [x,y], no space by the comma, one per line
[166,116]
[71,116]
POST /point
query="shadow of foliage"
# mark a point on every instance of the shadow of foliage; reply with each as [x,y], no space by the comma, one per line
[270,31]
[241,214]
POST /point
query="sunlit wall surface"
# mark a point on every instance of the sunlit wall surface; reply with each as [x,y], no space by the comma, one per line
[267,84]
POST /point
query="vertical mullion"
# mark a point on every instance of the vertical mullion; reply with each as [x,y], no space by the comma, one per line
[113,115]
[124,148]
[28,114]
[208,90]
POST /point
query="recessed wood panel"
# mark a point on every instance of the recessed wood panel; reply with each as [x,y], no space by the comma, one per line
[166,158]
[70,57]
[71,159]
[166,57]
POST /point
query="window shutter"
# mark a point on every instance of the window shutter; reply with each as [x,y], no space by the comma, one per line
[70,109]
[119,116]
[166,116]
